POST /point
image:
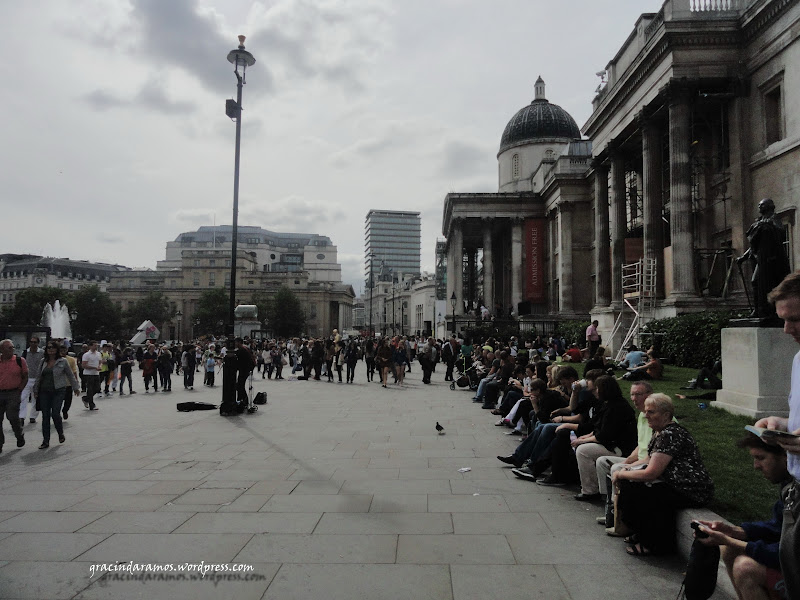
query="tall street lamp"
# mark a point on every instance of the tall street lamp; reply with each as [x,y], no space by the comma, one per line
[453,301]
[73,316]
[240,59]
[178,317]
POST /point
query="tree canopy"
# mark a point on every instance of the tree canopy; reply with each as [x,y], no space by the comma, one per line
[98,316]
[154,307]
[284,313]
[212,308]
[29,305]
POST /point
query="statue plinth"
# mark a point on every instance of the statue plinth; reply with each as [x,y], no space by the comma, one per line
[756,371]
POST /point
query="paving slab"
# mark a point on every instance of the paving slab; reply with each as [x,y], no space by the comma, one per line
[162,547]
[510,582]
[320,548]
[346,582]
[36,580]
[47,546]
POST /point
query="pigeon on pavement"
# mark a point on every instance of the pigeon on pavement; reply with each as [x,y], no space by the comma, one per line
[439,428]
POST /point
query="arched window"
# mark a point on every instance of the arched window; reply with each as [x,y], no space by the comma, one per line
[515,166]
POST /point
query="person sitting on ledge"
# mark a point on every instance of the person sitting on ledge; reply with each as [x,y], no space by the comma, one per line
[750,552]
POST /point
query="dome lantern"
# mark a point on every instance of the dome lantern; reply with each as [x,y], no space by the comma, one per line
[539,87]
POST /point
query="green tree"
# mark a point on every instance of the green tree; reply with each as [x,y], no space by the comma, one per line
[98,316]
[154,307]
[29,304]
[212,307]
[285,314]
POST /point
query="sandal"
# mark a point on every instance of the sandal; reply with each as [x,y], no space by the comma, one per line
[637,550]
[631,539]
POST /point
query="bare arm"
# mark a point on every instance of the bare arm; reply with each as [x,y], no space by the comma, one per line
[655,467]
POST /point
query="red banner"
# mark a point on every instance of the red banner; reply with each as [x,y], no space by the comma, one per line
[534,251]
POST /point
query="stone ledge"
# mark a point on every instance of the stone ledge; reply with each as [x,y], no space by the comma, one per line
[685,539]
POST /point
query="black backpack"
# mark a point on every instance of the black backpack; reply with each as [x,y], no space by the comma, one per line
[261,398]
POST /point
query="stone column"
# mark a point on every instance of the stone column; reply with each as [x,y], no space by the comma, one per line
[680,179]
[516,264]
[565,257]
[602,244]
[619,227]
[458,260]
[451,265]
[651,176]
[488,265]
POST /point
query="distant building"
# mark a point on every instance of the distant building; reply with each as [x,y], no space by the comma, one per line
[23,271]
[392,245]
[274,252]
[197,261]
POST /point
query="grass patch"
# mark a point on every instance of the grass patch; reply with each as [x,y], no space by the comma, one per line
[741,492]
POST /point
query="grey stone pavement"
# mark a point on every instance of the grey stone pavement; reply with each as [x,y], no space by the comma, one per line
[330,491]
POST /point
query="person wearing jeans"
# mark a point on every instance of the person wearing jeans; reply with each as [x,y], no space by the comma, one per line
[55,377]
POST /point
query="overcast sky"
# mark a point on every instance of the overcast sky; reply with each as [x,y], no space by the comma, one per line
[115,138]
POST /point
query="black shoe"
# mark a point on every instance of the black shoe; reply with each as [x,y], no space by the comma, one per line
[20,441]
[488,406]
[510,460]
[44,445]
[33,420]
[65,415]
[524,473]
[93,408]
[550,480]
[85,402]
[581,497]
[61,439]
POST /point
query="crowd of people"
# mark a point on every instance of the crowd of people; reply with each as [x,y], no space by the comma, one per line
[633,459]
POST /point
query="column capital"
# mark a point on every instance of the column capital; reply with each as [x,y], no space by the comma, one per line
[676,91]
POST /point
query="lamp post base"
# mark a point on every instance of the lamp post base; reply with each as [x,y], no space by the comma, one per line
[229,405]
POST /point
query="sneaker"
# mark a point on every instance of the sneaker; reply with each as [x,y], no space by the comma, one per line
[510,460]
[550,480]
[524,473]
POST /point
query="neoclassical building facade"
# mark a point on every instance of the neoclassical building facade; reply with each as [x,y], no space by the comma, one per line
[699,119]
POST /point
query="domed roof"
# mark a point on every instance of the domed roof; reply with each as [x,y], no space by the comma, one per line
[540,119]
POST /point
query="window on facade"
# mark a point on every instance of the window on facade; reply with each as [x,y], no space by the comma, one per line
[227,279]
[212,279]
[787,219]
[228,263]
[173,283]
[515,166]
[773,114]
[196,281]
[212,262]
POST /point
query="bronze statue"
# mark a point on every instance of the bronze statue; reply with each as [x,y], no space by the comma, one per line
[767,250]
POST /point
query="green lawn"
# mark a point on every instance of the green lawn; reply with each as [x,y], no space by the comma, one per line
[742,493]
